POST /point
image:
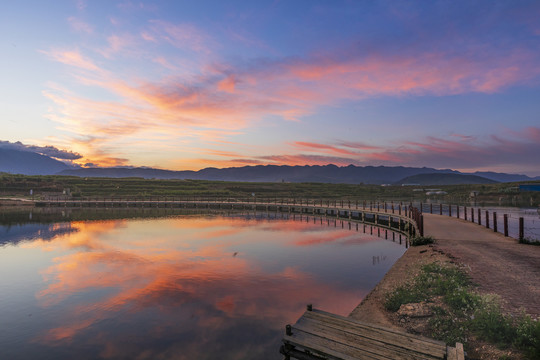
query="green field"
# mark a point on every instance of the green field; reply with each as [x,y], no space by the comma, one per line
[17,186]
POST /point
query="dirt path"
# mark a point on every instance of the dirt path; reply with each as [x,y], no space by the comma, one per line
[497,264]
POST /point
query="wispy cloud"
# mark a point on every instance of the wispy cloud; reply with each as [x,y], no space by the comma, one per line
[322,148]
[72,58]
[79,25]
[194,91]
[464,153]
[181,36]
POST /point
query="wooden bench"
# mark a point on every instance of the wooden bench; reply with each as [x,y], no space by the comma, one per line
[322,335]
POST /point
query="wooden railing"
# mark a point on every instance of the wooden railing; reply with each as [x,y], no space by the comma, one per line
[399,217]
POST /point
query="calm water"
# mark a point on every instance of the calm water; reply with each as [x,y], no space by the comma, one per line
[181,287]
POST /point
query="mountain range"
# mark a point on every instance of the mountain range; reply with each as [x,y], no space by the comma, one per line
[30,163]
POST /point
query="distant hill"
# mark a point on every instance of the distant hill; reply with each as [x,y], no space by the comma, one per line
[445,179]
[29,163]
[268,173]
[123,172]
[501,177]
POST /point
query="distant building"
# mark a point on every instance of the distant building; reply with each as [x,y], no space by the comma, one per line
[436,193]
[529,187]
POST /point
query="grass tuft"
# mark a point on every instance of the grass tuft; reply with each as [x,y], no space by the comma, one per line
[464,313]
[422,240]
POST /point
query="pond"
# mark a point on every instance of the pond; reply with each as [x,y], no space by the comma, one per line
[177,287]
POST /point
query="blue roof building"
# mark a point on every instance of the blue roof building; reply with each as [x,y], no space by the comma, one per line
[529,187]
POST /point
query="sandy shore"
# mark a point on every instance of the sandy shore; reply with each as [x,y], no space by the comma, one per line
[371,308]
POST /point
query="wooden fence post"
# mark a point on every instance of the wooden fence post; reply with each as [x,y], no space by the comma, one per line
[521,230]
[479,217]
[505,221]
[450,210]
[487,219]
[495,221]
[440,209]
[431,208]
[472,214]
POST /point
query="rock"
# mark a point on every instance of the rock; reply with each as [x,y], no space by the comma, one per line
[415,310]
[419,328]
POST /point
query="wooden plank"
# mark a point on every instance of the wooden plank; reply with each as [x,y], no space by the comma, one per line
[460,352]
[433,348]
[360,326]
[327,348]
[366,339]
[373,326]
[354,342]
[451,353]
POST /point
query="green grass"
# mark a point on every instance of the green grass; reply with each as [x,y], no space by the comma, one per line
[529,241]
[20,185]
[465,313]
[422,240]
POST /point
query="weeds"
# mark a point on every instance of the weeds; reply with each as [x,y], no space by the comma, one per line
[529,241]
[463,313]
[422,240]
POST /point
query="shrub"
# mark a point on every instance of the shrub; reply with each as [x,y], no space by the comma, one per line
[422,240]
[403,295]
[528,336]
[491,324]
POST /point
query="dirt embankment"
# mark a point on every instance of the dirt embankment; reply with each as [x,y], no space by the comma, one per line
[496,264]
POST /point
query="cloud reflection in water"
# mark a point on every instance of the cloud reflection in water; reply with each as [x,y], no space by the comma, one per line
[193,287]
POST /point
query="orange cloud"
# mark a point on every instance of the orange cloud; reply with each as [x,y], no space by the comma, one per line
[322,148]
[72,58]
[227,84]
[206,95]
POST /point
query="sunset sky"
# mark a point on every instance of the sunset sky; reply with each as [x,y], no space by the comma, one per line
[192,84]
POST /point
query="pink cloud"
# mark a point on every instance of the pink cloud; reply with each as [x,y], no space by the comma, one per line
[182,36]
[519,150]
[358,145]
[72,58]
[79,25]
[322,148]
[227,84]
[303,159]
[222,98]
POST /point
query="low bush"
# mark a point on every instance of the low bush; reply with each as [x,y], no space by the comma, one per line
[422,240]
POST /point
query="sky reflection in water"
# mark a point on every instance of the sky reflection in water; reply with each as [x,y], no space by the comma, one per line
[176,288]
